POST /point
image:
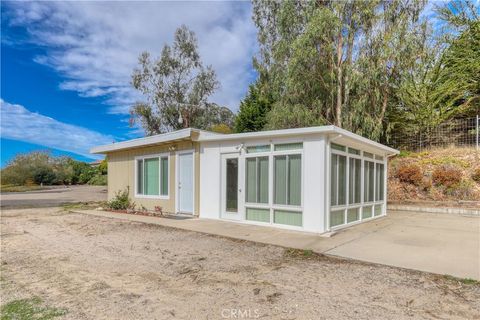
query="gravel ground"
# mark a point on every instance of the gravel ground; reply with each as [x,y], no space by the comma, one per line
[99,268]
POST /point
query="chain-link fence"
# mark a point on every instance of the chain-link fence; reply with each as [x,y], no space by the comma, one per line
[457,132]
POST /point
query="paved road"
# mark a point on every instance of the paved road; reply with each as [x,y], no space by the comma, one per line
[52,197]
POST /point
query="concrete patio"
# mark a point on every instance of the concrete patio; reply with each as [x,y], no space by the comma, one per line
[437,243]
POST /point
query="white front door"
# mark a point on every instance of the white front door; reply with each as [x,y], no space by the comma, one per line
[185,183]
[230,187]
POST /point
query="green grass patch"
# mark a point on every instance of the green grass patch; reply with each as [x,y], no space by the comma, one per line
[467,281]
[302,254]
[15,188]
[83,205]
[29,309]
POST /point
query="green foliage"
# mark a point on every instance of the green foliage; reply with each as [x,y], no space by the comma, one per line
[103,167]
[121,201]
[42,168]
[252,115]
[176,87]
[98,180]
[29,309]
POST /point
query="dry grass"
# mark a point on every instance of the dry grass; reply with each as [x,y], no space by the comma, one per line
[465,160]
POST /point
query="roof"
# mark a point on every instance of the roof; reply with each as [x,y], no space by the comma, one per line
[207,136]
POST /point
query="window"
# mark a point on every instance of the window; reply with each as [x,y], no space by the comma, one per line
[291,218]
[338,147]
[261,215]
[367,212]
[337,217]
[152,176]
[338,181]
[288,146]
[353,214]
[257,180]
[368,155]
[377,210]
[288,179]
[368,180]
[354,151]
[380,174]
[355,180]
[255,149]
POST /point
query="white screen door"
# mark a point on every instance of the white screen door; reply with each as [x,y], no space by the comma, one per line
[185,183]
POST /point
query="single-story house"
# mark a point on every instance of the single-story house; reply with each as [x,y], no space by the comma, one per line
[315,179]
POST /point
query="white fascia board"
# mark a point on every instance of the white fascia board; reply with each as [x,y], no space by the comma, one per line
[156,139]
[297,132]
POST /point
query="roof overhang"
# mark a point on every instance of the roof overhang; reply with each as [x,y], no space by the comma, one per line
[191,134]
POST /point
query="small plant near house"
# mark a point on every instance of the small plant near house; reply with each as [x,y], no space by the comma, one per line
[121,201]
[159,210]
[447,176]
[410,173]
[476,175]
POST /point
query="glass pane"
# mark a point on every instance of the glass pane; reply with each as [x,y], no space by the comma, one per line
[338,147]
[139,176]
[353,214]
[290,218]
[367,212]
[334,180]
[288,146]
[342,180]
[378,210]
[378,157]
[263,180]
[368,155]
[262,215]
[253,149]
[294,179]
[251,176]
[164,176]
[353,151]
[232,185]
[280,178]
[337,218]
[151,177]
[354,180]
[380,182]
[371,176]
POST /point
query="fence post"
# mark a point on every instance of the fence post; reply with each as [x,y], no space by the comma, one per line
[478,128]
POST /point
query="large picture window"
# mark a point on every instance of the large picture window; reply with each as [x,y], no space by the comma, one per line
[380,175]
[257,180]
[355,181]
[288,179]
[152,176]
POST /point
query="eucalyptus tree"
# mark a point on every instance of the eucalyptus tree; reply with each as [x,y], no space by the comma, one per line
[176,87]
[335,62]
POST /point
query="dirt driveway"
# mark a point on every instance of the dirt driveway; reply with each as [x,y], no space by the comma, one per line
[53,197]
[100,268]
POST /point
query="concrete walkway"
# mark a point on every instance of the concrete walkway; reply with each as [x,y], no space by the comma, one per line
[443,244]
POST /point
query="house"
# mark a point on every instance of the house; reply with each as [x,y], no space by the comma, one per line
[313,179]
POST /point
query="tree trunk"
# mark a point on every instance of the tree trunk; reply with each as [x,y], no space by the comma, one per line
[338,111]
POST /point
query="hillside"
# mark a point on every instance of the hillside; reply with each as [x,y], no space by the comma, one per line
[447,175]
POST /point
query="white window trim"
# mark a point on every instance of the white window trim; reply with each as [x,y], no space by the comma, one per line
[270,205]
[153,156]
[363,203]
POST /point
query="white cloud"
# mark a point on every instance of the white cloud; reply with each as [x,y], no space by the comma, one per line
[95,45]
[18,123]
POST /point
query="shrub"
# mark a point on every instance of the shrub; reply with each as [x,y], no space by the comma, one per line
[121,201]
[410,173]
[446,176]
[461,190]
[98,180]
[476,175]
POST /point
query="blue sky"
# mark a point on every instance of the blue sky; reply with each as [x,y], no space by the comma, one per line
[65,66]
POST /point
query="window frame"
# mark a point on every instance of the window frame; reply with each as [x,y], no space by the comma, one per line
[271,206]
[158,156]
[363,156]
